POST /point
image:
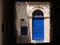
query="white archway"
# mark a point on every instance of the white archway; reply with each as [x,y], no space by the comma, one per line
[36,8]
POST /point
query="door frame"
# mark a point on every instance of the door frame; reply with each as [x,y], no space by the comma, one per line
[30,21]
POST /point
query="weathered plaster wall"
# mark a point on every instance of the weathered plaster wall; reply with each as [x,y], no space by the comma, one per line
[21,10]
[25,9]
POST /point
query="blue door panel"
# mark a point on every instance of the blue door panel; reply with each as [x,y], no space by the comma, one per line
[37,28]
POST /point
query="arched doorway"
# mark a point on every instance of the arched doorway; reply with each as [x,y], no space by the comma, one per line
[37,25]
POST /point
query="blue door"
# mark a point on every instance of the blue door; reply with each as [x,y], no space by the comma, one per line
[38,27]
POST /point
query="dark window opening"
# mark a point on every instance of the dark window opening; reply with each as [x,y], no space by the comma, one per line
[24,30]
[22,19]
[38,14]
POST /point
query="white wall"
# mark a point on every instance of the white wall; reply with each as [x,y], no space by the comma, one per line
[21,12]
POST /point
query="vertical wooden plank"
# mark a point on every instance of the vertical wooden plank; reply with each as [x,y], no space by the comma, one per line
[0,22]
